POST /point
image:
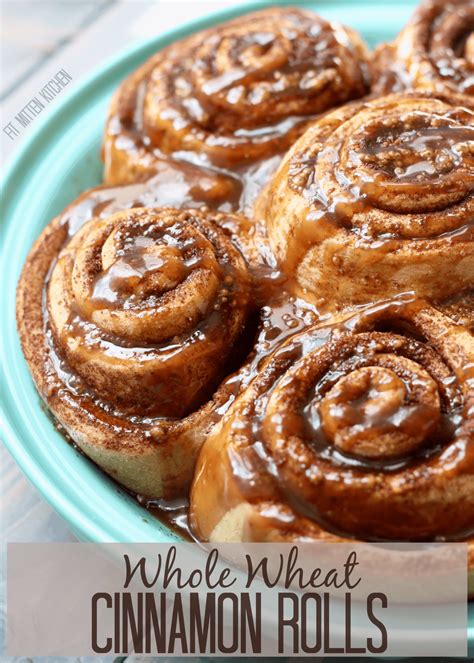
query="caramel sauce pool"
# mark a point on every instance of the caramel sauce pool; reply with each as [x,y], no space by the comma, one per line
[186,185]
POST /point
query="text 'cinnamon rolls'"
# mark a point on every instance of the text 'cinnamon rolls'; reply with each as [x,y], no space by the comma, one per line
[233,94]
[121,323]
[375,199]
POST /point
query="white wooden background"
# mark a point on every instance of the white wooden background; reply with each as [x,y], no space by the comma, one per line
[39,37]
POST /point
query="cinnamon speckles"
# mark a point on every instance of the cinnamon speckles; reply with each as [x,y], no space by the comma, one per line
[306,317]
[233,95]
[377,198]
[434,52]
[350,412]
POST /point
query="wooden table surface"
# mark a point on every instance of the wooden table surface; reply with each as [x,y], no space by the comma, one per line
[40,37]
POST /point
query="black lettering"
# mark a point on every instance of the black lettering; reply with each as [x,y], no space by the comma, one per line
[291,622]
[204,628]
[141,565]
[251,623]
[376,622]
[263,567]
[349,648]
[155,625]
[307,648]
[98,649]
[132,624]
[177,627]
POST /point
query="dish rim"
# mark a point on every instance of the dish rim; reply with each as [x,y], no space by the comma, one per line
[84,520]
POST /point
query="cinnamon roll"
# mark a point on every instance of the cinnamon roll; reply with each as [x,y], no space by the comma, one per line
[460,308]
[361,428]
[121,320]
[233,94]
[434,52]
[377,198]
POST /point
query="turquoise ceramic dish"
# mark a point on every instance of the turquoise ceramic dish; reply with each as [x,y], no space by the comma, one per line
[59,161]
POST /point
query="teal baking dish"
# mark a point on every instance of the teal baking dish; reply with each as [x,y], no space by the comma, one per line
[58,161]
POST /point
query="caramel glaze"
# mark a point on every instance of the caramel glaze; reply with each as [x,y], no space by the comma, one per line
[142,300]
[372,197]
[461,309]
[99,265]
[411,391]
[281,317]
[418,158]
[434,52]
[110,314]
[232,99]
[414,164]
[356,428]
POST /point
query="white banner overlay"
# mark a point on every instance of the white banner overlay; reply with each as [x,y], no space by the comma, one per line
[237,599]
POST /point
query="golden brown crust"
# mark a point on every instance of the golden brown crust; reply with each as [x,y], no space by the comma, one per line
[233,94]
[127,372]
[285,476]
[130,316]
[377,198]
[434,52]
[460,308]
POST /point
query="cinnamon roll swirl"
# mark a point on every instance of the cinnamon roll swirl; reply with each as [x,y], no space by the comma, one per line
[434,52]
[121,321]
[360,428]
[375,199]
[233,94]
